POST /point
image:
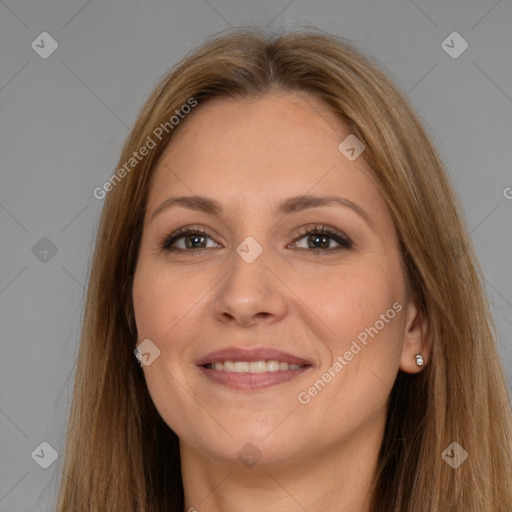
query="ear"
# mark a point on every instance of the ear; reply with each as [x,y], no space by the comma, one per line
[417,339]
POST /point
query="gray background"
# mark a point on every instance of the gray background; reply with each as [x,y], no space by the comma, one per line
[64,119]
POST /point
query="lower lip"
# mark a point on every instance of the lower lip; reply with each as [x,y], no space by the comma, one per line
[252,381]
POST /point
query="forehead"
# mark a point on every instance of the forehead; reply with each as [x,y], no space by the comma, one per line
[286,121]
[261,147]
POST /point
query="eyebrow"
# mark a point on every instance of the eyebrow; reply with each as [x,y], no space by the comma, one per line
[291,205]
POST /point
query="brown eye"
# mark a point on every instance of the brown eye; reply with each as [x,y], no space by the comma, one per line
[187,240]
[321,238]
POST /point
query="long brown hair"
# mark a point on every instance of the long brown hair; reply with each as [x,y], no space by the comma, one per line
[121,456]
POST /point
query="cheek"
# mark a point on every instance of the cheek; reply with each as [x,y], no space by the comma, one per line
[350,302]
[162,297]
[362,346]
[165,305]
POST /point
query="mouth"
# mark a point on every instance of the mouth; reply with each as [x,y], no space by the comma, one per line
[252,369]
[253,366]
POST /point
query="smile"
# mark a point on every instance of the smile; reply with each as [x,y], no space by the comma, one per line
[253,366]
[251,369]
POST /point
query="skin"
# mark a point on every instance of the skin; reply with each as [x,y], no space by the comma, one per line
[250,154]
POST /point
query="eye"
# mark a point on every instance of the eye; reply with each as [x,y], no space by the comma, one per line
[319,238]
[187,238]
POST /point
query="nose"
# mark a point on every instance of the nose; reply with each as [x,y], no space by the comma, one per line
[250,293]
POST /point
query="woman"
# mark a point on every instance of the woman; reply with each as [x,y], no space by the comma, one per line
[282,251]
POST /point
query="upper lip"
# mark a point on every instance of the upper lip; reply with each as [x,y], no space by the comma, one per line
[255,354]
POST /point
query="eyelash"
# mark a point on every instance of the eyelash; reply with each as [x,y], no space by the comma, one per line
[343,241]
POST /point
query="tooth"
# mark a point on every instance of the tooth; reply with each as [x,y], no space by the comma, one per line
[272,366]
[229,366]
[253,366]
[241,366]
[257,366]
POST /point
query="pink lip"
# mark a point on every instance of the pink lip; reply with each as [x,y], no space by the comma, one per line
[251,381]
[258,354]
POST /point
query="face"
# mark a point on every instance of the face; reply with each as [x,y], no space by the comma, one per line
[281,319]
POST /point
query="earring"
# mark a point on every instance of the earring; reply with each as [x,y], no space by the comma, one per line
[419,359]
[138,362]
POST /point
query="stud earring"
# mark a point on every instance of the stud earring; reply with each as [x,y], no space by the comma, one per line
[138,362]
[419,359]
